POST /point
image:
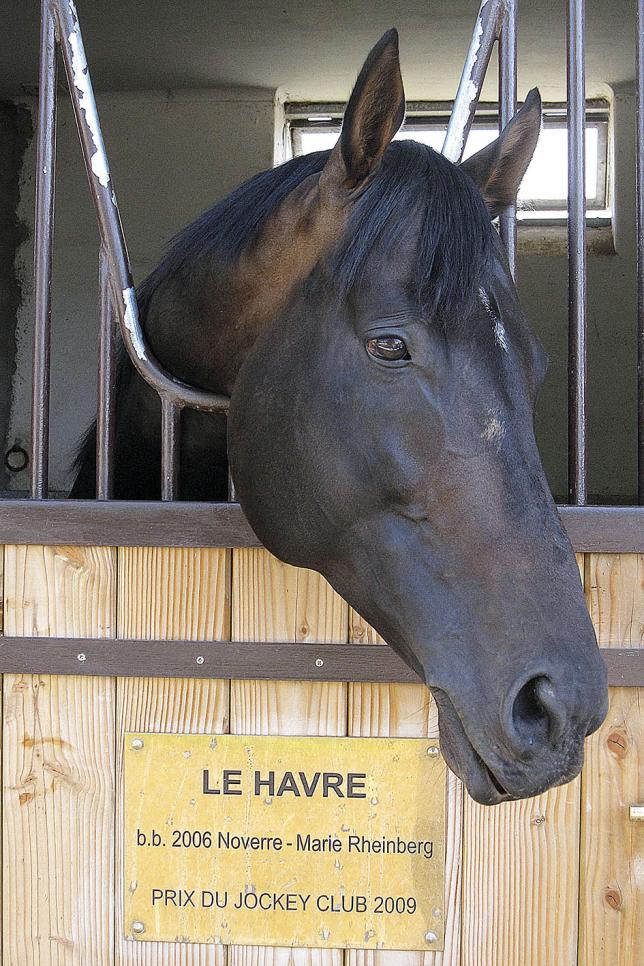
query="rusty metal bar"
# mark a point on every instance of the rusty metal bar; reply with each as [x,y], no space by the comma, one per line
[109,221]
[43,245]
[486,31]
[170,442]
[507,110]
[576,91]
[105,420]
[640,248]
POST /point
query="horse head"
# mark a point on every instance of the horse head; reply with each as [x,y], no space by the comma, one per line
[381,433]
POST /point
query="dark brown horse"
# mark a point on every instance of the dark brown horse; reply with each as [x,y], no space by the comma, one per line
[357,306]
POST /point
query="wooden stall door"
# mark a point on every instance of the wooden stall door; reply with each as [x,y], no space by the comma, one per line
[58,766]
[165,594]
[611,920]
[272,601]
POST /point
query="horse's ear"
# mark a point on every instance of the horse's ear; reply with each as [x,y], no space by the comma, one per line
[498,168]
[374,113]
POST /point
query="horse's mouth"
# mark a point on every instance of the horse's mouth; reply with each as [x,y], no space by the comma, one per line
[464,760]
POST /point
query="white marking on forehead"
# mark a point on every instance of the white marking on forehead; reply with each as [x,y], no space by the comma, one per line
[485,299]
[500,335]
[494,430]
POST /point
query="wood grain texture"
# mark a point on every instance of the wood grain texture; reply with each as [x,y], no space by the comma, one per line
[408,711]
[272,601]
[612,847]
[169,593]
[58,766]
[521,879]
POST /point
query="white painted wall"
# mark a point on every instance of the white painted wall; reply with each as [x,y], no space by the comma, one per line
[172,155]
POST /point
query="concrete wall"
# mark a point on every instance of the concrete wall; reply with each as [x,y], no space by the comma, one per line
[15,136]
[171,156]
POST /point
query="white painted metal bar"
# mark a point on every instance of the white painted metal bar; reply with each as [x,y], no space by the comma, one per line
[486,32]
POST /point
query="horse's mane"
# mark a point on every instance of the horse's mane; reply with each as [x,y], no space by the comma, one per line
[413,180]
[455,231]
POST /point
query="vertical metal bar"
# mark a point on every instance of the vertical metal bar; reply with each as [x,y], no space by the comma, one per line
[170,437]
[576,253]
[486,31]
[507,110]
[640,248]
[44,232]
[105,420]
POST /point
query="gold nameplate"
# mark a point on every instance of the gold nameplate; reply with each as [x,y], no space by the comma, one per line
[327,842]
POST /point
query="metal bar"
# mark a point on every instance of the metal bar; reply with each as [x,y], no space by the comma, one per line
[44,234]
[105,420]
[576,89]
[486,31]
[507,110]
[232,660]
[117,523]
[109,221]
[170,442]
[640,248]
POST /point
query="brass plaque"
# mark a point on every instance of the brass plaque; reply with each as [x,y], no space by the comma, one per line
[327,842]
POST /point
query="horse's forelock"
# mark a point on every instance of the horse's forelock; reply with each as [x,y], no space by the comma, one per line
[454,231]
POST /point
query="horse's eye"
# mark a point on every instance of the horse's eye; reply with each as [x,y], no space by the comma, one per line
[390,348]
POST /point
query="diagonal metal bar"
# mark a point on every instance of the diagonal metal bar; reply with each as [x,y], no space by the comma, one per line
[486,32]
[109,221]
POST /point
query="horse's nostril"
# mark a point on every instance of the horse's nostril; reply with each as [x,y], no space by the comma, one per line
[537,715]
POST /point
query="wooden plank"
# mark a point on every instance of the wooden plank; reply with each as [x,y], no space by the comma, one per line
[521,879]
[58,766]
[270,601]
[171,593]
[408,711]
[607,529]
[253,659]
[611,921]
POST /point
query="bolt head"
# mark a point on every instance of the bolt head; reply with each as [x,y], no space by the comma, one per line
[81,657]
[319,662]
[430,937]
[137,744]
[138,926]
[433,751]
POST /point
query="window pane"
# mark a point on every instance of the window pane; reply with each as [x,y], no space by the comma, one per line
[546,178]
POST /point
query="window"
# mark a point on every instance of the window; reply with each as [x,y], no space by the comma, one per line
[543,194]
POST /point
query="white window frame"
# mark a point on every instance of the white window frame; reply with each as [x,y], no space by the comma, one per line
[327,117]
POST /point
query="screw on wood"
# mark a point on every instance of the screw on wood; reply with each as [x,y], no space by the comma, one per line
[138,926]
[430,937]
[433,751]
[137,743]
